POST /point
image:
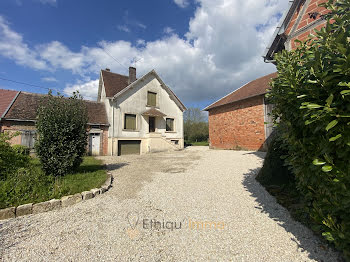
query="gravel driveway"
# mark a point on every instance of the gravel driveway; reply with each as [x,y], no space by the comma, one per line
[191,205]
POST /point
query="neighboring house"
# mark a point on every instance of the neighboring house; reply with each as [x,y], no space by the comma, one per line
[301,19]
[21,113]
[144,114]
[237,121]
[7,97]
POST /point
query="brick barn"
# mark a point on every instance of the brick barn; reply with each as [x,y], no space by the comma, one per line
[18,114]
[236,121]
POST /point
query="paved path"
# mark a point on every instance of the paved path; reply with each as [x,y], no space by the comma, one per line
[224,215]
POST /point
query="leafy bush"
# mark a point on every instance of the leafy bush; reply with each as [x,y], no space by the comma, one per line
[274,171]
[311,97]
[62,137]
[24,186]
[20,149]
[10,159]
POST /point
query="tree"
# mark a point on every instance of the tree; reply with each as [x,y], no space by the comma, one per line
[312,100]
[62,137]
[195,127]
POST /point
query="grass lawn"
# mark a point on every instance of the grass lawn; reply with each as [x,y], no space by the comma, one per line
[36,187]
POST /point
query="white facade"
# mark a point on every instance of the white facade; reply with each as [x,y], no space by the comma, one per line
[133,100]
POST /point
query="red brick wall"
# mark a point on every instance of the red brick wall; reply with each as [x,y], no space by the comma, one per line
[305,20]
[238,126]
[104,142]
[12,127]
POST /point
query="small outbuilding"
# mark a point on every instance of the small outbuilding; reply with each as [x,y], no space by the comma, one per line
[237,121]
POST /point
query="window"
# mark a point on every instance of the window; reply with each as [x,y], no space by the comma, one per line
[28,139]
[176,142]
[130,122]
[151,99]
[170,124]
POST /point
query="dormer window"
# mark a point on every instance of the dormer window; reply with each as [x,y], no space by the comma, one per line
[151,99]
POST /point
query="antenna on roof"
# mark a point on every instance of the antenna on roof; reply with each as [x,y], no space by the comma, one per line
[113,58]
[134,61]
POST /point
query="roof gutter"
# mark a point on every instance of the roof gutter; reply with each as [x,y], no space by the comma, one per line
[248,97]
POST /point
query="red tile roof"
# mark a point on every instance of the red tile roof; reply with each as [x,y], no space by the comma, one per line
[251,89]
[26,106]
[6,99]
[114,83]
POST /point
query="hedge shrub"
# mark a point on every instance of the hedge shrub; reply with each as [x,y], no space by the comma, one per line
[62,137]
[20,149]
[274,171]
[10,159]
[312,99]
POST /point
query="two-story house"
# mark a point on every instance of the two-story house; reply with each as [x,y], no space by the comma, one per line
[144,114]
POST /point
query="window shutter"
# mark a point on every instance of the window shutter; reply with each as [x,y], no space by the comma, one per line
[130,122]
[151,99]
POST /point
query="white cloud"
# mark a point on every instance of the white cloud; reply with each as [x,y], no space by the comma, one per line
[143,26]
[181,3]
[140,42]
[49,79]
[88,90]
[221,51]
[168,30]
[50,2]
[13,47]
[123,28]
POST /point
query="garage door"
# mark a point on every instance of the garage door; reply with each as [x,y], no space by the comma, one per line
[129,147]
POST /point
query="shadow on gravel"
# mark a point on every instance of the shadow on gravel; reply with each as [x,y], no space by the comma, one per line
[113,167]
[269,206]
[259,154]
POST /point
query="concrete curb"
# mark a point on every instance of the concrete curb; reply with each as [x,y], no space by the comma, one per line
[54,204]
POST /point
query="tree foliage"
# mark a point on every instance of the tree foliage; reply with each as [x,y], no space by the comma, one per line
[196,127]
[62,136]
[312,101]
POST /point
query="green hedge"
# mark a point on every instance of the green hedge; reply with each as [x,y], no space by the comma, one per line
[274,171]
[20,149]
[10,159]
[311,97]
[62,137]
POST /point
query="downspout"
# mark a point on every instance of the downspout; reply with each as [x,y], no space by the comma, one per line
[113,126]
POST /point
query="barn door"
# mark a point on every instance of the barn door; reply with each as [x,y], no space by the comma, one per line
[94,145]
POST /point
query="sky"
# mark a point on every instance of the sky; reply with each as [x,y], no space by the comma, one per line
[202,49]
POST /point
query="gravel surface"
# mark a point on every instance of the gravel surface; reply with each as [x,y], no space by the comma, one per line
[203,205]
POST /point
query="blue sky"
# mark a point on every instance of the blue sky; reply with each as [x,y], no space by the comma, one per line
[202,49]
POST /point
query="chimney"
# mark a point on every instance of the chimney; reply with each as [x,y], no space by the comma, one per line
[132,74]
[107,69]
